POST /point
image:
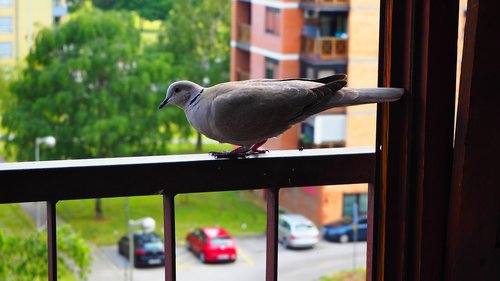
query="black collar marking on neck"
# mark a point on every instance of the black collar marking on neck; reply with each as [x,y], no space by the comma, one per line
[195,97]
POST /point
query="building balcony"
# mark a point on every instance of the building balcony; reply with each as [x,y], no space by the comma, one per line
[244,33]
[324,48]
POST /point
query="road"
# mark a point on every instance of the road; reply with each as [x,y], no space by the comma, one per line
[305,265]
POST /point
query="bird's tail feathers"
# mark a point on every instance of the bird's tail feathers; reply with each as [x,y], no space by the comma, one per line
[351,96]
[340,78]
[334,86]
[332,78]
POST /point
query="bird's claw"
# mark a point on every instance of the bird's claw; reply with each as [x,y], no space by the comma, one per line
[227,154]
[257,151]
[236,154]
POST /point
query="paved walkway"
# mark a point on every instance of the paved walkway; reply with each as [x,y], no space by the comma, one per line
[38,212]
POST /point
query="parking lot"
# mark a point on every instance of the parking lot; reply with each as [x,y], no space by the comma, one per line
[308,264]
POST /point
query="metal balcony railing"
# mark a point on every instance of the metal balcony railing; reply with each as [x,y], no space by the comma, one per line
[324,48]
[52,181]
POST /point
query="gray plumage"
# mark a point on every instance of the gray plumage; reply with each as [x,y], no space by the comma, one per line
[248,112]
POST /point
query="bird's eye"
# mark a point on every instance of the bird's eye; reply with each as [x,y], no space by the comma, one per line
[176,90]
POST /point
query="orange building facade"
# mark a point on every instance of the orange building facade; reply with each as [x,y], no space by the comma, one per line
[313,39]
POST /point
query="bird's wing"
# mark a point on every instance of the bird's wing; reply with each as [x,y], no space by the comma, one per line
[324,80]
[260,109]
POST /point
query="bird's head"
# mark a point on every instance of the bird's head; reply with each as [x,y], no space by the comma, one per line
[180,93]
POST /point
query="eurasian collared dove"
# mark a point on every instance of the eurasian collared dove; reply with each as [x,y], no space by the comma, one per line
[247,113]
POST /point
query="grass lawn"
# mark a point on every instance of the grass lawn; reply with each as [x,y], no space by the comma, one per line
[357,275]
[189,148]
[14,221]
[231,210]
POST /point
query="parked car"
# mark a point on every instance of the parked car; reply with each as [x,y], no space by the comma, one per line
[343,230]
[148,249]
[297,231]
[212,244]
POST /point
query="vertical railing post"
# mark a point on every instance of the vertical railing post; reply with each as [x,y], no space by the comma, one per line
[51,240]
[272,235]
[169,235]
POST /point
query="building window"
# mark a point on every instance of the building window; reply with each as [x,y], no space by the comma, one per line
[5,24]
[333,24]
[272,20]
[314,71]
[271,68]
[5,3]
[361,199]
[5,50]
[324,130]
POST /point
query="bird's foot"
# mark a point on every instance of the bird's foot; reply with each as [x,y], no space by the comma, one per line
[239,152]
[227,154]
[257,151]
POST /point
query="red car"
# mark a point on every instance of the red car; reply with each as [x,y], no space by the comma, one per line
[211,244]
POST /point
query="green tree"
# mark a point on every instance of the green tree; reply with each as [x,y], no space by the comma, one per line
[22,264]
[4,86]
[198,33]
[88,84]
[5,77]
[148,9]
[199,36]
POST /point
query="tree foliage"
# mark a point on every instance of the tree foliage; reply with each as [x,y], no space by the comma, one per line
[148,9]
[198,33]
[25,258]
[4,86]
[88,83]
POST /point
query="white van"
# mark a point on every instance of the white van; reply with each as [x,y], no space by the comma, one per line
[296,231]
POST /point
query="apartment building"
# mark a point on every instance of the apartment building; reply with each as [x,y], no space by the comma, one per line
[313,39]
[19,22]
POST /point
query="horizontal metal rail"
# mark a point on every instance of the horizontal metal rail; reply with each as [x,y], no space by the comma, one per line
[169,175]
[132,176]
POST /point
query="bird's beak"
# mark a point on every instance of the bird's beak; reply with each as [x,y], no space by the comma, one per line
[163,103]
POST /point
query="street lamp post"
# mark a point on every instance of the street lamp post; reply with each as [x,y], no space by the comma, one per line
[148,225]
[50,142]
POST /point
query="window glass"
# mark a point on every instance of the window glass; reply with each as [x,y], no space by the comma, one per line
[272,20]
[5,24]
[5,3]
[361,199]
[363,203]
[154,246]
[271,68]
[5,50]
[221,241]
[349,200]
[303,227]
[333,24]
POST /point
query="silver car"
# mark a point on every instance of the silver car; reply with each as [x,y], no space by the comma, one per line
[296,231]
